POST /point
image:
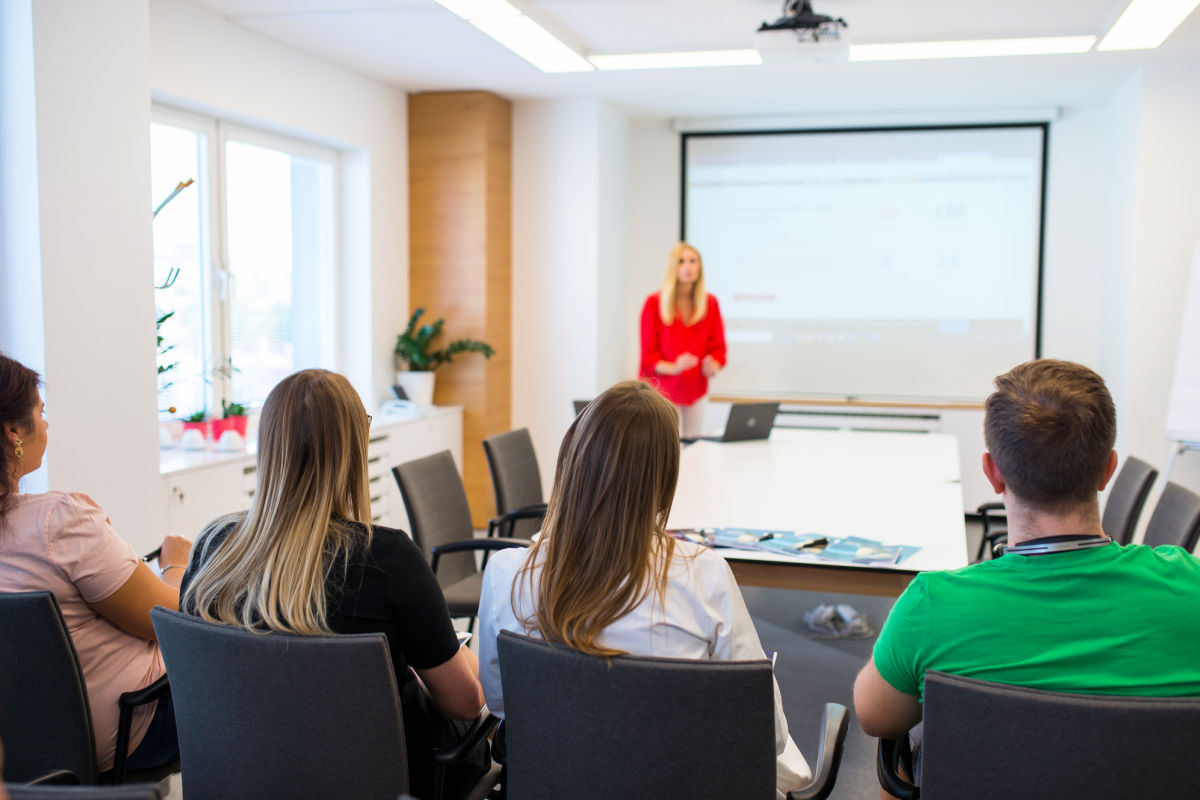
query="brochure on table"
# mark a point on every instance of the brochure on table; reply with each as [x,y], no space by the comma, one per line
[805,546]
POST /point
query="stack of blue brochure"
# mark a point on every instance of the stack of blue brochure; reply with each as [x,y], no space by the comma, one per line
[845,549]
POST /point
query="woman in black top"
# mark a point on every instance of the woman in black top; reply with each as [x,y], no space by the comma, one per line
[306,559]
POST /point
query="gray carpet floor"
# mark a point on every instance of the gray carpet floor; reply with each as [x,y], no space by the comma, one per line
[812,672]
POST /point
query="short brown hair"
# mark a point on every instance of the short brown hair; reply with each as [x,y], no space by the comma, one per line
[1050,427]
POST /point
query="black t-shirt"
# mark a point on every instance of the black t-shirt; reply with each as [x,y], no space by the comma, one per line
[387,588]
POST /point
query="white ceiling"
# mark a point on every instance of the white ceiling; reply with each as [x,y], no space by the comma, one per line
[417,45]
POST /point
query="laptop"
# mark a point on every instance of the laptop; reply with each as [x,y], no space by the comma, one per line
[747,422]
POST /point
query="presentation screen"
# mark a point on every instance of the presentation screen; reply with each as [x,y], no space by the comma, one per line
[900,263]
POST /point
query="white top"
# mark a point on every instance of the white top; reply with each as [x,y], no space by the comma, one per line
[703,617]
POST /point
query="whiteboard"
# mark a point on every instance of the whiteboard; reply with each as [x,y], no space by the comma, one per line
[1183,412]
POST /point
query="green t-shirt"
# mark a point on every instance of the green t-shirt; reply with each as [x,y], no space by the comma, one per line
[1107,620]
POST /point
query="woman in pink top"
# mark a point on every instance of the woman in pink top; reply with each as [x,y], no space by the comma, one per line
[62,542]
[683,338]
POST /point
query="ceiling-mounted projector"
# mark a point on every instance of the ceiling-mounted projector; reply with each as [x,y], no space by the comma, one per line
[801,33]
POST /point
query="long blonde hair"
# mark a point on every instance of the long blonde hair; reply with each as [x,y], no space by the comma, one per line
[312,480]
[604,544]
[667,294]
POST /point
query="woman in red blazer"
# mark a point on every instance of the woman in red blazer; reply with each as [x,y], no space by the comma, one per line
[683,339]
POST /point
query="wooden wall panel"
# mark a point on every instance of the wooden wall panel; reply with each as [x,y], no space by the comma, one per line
[460,257]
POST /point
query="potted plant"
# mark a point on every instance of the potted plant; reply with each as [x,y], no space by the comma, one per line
[198,422]
[416,358]
[233,418]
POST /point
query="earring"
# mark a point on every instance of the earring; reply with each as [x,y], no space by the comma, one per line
[18,451]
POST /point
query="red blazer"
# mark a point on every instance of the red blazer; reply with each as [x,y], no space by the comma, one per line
[667,342]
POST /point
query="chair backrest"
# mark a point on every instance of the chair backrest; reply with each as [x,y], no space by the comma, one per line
[988,741]
[585,727]
[1126,499]
[438,511]
[1176,518]
[45,722]
[516,479]
[281,715]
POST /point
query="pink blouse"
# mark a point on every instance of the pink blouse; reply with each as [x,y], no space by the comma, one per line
[63,542]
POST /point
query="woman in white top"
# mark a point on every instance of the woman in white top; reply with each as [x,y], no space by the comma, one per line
[605,578]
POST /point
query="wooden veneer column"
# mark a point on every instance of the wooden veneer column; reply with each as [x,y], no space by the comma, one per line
[460,257]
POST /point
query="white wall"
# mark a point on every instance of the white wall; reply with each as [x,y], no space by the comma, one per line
[93,140]
[1122,218]
[200,62]
[1166,228]
[568,274]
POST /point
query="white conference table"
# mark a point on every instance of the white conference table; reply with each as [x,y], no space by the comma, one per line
[897,488]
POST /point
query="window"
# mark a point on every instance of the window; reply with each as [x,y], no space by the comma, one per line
[246,258]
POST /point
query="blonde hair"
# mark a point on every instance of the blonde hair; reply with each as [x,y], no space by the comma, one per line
[666,295]
[312,480]
[604,544]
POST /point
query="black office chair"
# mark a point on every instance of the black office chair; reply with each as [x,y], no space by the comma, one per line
[517,484]
[282,715]
[990,741]
[440,517]
[588,728]
[1127,498]
[45,721]
[1176,518]
[125,791]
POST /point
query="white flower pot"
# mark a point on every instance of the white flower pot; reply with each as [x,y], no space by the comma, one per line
[417,385]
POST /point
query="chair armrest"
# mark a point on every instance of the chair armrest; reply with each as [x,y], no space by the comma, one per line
[835,720]
[480,728]
[127,702]
[537,511]
[465,545]
[888,756]
[58,777]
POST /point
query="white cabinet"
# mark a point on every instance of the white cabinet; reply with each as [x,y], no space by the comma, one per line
[199,486]
[197,496]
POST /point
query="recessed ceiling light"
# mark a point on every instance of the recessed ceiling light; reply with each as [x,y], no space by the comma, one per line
[480,9]
[699,58]
[533,43]
[1146,23]
[977,48]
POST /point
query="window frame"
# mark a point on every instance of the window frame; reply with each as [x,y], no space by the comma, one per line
[218,283]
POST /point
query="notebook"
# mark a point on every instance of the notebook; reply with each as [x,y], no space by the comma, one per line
[747,422]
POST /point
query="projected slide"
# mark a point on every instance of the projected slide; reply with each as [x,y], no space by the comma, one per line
[898,263]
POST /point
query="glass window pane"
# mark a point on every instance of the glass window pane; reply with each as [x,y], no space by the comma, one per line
[279,210]
[176,156]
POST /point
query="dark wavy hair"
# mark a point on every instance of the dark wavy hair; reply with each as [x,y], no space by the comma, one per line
[18,397]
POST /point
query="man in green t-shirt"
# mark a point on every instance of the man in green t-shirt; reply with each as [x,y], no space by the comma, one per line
[1065,608]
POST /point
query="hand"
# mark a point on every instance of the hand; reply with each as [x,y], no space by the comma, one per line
[685,362]
[176,550]
[710,366]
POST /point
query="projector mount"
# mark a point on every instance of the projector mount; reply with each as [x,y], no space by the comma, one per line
[798,16]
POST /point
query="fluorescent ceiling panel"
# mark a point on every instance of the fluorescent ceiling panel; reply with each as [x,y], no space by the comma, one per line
[533,43]
[978,48]
[699,58]
[1145,24]
[480,9]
